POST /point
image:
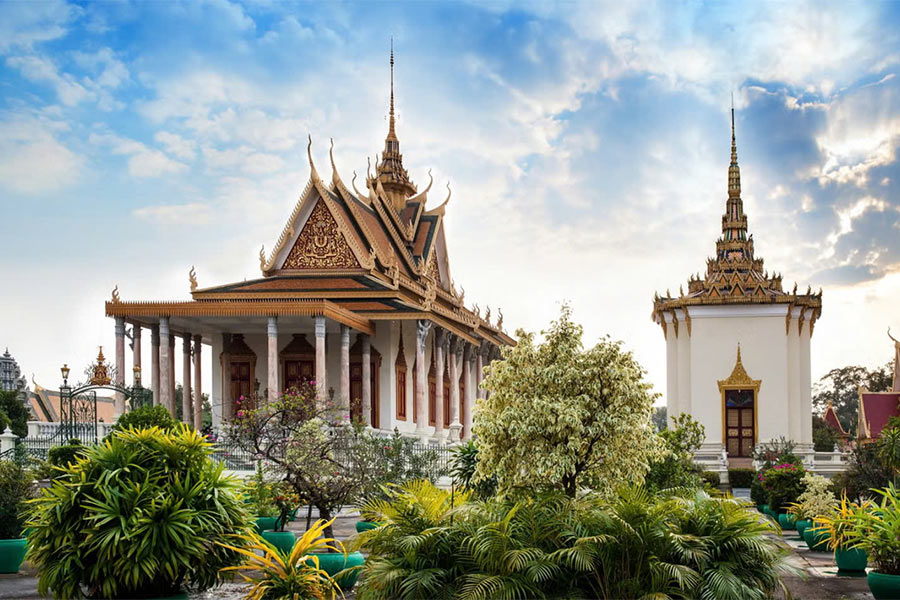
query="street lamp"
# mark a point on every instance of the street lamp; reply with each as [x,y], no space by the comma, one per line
[65,374]
[137,376]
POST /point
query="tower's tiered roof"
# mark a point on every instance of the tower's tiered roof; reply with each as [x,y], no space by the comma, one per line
[735,275]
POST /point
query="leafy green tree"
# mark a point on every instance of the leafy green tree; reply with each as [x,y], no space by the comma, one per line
[206,410]
[15,410]
[824,437]
[841,388]
[660,418]
[676,468]
[560,416]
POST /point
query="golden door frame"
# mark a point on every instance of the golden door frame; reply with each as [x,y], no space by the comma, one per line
[740,380]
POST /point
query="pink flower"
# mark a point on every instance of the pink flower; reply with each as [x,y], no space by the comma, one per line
[240,413]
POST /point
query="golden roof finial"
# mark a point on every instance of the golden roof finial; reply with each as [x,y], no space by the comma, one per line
[192,277]
[391,133]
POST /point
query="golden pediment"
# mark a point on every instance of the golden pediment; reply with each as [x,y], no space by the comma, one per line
[321,245]
[739,379]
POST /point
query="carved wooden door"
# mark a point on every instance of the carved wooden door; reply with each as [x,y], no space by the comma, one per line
[740,435]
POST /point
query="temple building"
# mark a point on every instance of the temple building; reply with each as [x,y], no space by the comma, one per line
[877,408]
[356,295]
[11,378]
[738,345]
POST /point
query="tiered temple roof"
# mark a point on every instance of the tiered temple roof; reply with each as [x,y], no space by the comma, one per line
[352,256]
[735,275]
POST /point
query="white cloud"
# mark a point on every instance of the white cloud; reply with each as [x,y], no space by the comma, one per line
[243,159]
[143,161]
[23,24]
[176,214]
[43,70]
[32,158]
[176,145]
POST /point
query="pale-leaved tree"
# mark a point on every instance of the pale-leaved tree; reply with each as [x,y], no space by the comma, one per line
[563,417]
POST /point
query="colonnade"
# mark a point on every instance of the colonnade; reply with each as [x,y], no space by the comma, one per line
[162,383]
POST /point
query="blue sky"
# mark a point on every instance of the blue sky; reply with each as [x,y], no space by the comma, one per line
[586,145]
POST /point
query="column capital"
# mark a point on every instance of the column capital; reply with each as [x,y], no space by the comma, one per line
[120,326]
[154,334]
[320,326]
[423,326]
[485,349]
[345,335]
[458,345]
[187,337]
[273,326]
[198,340]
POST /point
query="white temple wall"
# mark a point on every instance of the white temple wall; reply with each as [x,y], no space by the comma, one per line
[673,406]
[805,387]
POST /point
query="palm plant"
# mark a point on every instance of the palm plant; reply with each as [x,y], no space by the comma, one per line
[273,575]
[877,531]
[839,522]
[138,515]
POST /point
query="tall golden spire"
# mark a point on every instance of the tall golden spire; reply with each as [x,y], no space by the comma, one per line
[734,221]
[390,172]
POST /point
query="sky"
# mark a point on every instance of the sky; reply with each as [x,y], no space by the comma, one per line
[586,144]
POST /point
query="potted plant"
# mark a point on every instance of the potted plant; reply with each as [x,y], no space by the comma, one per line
[261,500]
[817,499]
[837,523]
[15,488]
[138,516]
[784,484]
[296,575]
[877,531]
[285,501]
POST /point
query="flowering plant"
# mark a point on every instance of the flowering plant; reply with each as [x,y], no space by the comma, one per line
[783,484]
[816,500]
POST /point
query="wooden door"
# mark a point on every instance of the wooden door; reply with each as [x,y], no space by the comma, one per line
[740,428]
[297,372]
[241,385]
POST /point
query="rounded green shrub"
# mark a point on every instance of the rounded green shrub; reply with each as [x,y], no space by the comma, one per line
[15,488]
[146,416]
[142,515]
[741,478]
[61,456]
[712,478]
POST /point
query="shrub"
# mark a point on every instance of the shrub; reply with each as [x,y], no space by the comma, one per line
[145,417]
[61,456]
[741,478]
[758,493]
[261,494]
[865,473]
[711,478]
[676,468]
[16,412]
[824,437]
[878,532]
[297,575]
[631,545]
[817,499]
[839,520]
[776,452]
[142,515]
[784,484]
[464,463]
[15,489]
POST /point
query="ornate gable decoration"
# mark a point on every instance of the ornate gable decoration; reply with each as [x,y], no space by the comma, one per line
[100,371]
[739,379]
[321,244]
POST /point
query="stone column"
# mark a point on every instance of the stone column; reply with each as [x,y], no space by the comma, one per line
[154,364]
[455,357]
[165,374]
[198,386]
[421,394]
[469,400]
[345,372]
[120,365]
[227,400]
[172,408]
[479,369]
[440,342]
[321,387]
[272,361]
[136,346]
[187,405]
[366,379]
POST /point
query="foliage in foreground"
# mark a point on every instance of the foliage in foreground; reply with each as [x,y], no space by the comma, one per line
[145,417]
[140,515]
[681,544]
[676,468]
[296,576]
[15,489]
[463,467]
[877,531]
[559,416]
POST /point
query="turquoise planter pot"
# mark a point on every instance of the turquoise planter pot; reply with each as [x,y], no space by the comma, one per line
[851,559]
[882,586]
[265,523]
[365,526]
[802,525]
[334,563]
[763,508]
[787,521]
[283,540]
[815,540]
[12,553]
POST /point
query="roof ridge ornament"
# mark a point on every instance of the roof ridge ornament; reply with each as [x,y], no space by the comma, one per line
[192,277]
[115,295]
[313,174]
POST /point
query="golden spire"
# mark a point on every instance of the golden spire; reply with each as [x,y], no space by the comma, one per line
[390,171]
[734,222]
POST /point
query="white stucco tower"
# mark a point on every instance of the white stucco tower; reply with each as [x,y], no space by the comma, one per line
[737,344]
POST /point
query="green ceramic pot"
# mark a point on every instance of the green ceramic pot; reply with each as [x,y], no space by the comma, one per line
[762,508]
[787,521]
[882,586]
[802,525]
[851,559]
[365,526]
[265,523]
[283,540]
[816,540]
[12,553]
[334,562]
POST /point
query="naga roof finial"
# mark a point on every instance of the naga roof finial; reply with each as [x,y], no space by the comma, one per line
[192,277]
[313,174]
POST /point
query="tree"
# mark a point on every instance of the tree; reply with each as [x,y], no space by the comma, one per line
[824,437]
[179,409]
[841,388]
[563,417]
[676,468]
[15,410]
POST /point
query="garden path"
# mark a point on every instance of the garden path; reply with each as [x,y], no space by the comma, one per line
[823,582]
